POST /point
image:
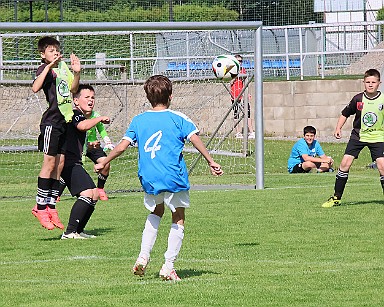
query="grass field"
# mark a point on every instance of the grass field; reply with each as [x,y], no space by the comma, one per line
[271,247]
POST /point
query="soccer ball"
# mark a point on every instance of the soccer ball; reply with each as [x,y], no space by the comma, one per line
[225,67]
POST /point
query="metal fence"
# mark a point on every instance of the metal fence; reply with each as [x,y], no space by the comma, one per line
[302,51]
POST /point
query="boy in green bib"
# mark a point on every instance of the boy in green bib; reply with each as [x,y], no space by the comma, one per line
[57,82]
[368,131]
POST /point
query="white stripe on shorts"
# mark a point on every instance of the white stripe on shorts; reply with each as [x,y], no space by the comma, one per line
[47,138]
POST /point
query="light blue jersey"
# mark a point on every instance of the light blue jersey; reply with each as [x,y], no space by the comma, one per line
[301,148]
[160,136]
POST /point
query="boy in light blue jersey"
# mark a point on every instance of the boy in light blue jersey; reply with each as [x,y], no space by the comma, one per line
[307,154]
[160,135]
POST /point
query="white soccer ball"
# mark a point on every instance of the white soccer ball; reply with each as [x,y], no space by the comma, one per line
[225,67]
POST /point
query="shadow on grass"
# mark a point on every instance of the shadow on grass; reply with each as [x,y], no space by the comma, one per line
[187,273]
[96,232]
[363,202]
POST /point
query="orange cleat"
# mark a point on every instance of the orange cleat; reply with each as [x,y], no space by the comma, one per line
[102,194]
[54,217]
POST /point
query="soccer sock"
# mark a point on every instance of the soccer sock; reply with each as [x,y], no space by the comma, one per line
[87,216]
[62,186]
[54,193]
[149,234]
[78,212]
[101,179]
[341,181]
[175,240]
[43,187]
[382,182]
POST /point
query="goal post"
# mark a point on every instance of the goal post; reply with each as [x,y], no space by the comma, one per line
[117,58]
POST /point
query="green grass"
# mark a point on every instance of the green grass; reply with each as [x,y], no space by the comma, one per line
[271,247]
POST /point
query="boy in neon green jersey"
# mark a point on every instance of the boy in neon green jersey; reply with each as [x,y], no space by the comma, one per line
[368,131]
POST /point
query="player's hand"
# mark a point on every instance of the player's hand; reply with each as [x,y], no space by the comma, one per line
[337,134]
[75,63]
[109,146]
[215,169]
[105,119]
[93,145]
[98,167]
[55,62]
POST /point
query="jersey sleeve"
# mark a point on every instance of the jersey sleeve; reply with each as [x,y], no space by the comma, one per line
[319,149]
[351,108]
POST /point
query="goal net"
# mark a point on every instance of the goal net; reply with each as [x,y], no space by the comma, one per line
[116,64]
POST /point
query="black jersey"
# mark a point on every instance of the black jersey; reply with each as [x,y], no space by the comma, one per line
[56,87]
[75,140]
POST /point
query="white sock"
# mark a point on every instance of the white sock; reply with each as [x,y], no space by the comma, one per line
[175,240]
[149,234]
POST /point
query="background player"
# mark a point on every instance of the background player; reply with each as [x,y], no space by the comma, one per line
[160,134]
[237,85]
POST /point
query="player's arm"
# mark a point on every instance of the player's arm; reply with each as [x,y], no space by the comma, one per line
[91,122]
[117,151]
[76,68]
[39,81]
[340,123]
[322,159]
[199,145]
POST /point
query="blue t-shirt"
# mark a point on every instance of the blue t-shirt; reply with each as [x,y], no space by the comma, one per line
[160,136]
[301,148]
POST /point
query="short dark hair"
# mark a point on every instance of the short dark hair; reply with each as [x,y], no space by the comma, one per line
[46,41]
[372,73]
[309,129]
[83,87]
[158,89]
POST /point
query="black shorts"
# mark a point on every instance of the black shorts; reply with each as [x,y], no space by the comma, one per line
[52,140]
[299,169]
[95,154]
[237,109]
[355,146]
[77,179]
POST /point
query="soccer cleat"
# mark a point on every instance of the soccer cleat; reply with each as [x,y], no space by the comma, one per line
[102,194]
[86,235]
[34,210]
[239,135]
[167,274]
[251,135]
[140,266]
[54,216]
[72,235]
[44,219]
[331,202]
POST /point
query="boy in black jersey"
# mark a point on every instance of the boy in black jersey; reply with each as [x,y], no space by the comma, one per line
[78,181]
[368,131]
[57,82]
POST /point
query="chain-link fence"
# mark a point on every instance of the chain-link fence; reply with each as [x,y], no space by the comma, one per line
[272,13]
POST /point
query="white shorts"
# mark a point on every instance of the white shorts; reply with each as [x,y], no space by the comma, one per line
[171,200]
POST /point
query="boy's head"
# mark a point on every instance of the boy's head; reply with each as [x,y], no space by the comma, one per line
[371,82]
[49,48]
[309,134]
[159,90]
[84,98]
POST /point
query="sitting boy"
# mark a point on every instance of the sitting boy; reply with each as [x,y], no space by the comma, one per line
[307,154]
